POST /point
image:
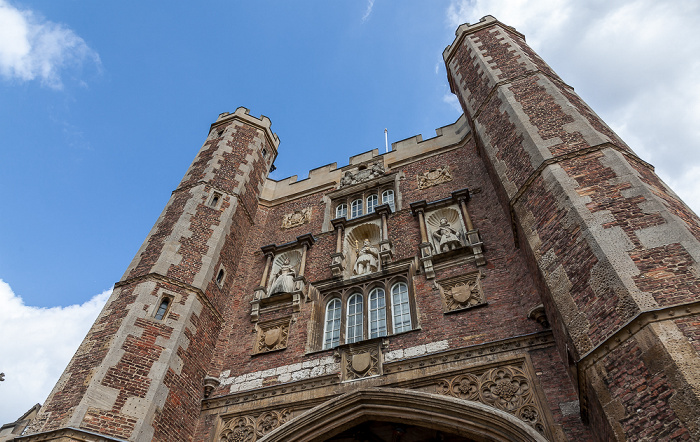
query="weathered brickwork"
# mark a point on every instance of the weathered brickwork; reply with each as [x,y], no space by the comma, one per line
[572,209]
[644,395]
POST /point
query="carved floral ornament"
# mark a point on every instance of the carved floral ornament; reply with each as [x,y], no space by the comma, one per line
[296,218]
[434,177]
[506,388]
[251,428]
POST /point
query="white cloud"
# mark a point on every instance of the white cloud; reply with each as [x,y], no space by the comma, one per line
[34,48]
[36,345]
[368,12]
[635,62]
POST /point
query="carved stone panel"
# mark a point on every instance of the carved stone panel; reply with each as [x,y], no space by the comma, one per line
[361,361]
[354,177]
[461,292]
[297,218]
[272,335]
[506,388]
[250,428]
[434,177]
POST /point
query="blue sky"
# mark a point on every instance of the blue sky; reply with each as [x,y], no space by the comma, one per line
[103,105]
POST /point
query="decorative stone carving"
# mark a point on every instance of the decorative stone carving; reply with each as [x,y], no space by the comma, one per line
[272,335]
[446,237]
[434,177]
[461,292]
[251,428]
[446,229]
[350,178]
[283,281]
[367,258]
[506,388]
[210,383]
[337,264]
[297,218]
[361,362]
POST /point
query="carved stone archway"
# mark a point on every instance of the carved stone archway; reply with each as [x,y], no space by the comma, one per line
[449,415]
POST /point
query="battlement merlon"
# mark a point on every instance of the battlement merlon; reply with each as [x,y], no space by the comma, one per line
[402,152]
[465,29]
[243,114]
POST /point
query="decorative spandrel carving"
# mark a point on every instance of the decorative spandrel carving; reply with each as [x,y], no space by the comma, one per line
[272,335]
[462,292]
[506,388]
[361,362]
[354,177]
[297,218]
[251,428]
[434,177]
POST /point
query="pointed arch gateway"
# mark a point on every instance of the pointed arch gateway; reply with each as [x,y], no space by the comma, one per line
[469,419]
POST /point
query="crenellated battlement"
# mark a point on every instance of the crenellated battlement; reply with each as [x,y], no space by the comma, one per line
[243,114]
[402,152]
[467,28]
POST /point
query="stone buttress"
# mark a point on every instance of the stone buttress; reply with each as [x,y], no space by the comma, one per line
[138,376]
[617,251]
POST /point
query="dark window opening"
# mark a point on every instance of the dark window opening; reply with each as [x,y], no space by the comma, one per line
[162,308]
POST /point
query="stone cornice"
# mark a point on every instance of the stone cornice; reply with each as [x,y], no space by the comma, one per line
[168,280]
[69,433]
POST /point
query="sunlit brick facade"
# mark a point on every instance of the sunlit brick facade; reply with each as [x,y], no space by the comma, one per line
[522,275]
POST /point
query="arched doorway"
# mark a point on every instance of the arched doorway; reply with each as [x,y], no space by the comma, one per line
[385,414]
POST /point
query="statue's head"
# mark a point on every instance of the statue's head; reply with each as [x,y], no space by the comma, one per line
[285,260]
[443,222]
[367,243]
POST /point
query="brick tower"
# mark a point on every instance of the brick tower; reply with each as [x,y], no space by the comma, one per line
[616,252]
[522,275]
[139,379]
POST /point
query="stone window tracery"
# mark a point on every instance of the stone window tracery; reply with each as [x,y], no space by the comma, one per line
[367,311]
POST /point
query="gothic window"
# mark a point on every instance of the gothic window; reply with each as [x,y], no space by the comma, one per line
[354,321]
[331,335]
[388,198]
[400,308]
[372,310]
[356,208]
[341,211]
[162,308]
[371,203]
[377,313]
[214,200]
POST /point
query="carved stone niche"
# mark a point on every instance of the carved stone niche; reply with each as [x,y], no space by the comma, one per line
[362,249]
[272,335]
[446,230]
[359,361]
[283,280]
[461,292]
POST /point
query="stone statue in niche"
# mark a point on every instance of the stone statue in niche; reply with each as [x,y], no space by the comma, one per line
[350,178]
[284,278]
[367,258]
[446,237]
